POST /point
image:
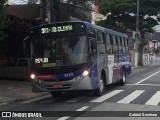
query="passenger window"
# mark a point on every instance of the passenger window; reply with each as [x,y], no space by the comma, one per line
[102,48]
[115,49]
[127,49]
[107,39]
[114,40]
[126,42]
[119,42]
[111,39]
[124,49]
[101,43]
[109,49]
[109,43]
[93,46]
[100,37]
[120,49]
[122,41]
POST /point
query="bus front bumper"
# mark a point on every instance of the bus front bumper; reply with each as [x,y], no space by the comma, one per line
[68,85]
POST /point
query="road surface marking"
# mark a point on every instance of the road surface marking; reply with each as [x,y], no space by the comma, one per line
[64,118]
[35,99]
[106,96]
[131,97]
[76,99]
[82,108]
[145,84]
[147,78]
[154,100]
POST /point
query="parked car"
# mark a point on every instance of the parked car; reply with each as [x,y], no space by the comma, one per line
[16,69]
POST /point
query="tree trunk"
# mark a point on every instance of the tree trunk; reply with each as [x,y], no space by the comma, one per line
[140,49]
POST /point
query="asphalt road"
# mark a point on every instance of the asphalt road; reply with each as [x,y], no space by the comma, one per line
[141,93]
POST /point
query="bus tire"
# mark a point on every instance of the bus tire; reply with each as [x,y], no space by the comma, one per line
[99,91]
[56,93]
[123,80]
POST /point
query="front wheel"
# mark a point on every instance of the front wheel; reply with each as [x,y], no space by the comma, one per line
[99,91]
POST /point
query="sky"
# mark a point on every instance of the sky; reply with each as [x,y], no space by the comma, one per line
[13,2]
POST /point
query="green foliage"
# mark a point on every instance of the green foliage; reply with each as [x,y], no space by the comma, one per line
[123,14]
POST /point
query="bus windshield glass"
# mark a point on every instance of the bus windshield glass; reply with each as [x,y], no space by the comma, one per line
[64,50]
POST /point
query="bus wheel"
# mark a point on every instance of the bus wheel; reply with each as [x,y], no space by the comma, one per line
[123,80]
[56,93]
[99,91]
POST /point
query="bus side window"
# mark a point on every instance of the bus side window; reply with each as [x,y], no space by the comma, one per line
[92,33]
[92,42]
[93,49]
[93,46]
[123,45]
[127,49]
[101,43]
[115,47]
[119,45]
[109,44]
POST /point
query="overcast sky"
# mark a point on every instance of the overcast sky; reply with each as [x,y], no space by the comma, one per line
[13,2]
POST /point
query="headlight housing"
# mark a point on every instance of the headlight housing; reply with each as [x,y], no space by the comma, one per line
[83,75]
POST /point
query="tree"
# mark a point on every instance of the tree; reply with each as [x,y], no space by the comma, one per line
[123,16]
[53,12]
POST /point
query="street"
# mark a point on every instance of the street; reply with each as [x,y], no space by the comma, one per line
[141,93]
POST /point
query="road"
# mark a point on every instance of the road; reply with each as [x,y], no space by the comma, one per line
[141,93]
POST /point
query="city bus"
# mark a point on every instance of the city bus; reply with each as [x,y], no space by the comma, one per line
[76,56]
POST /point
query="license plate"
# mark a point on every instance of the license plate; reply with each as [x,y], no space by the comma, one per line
[57,86]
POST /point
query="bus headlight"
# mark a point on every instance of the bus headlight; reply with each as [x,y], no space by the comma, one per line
[32,76]
[85,73]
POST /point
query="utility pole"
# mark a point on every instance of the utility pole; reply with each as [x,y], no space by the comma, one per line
[136,45]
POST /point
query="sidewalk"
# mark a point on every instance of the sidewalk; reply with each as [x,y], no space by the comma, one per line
[19,90]
[139,67]
[16,90]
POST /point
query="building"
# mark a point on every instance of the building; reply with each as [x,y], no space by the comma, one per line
[18,20]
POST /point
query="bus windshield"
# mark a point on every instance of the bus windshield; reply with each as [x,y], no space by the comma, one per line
[60,50]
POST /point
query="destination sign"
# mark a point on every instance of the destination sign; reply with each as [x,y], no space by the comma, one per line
[57,29]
